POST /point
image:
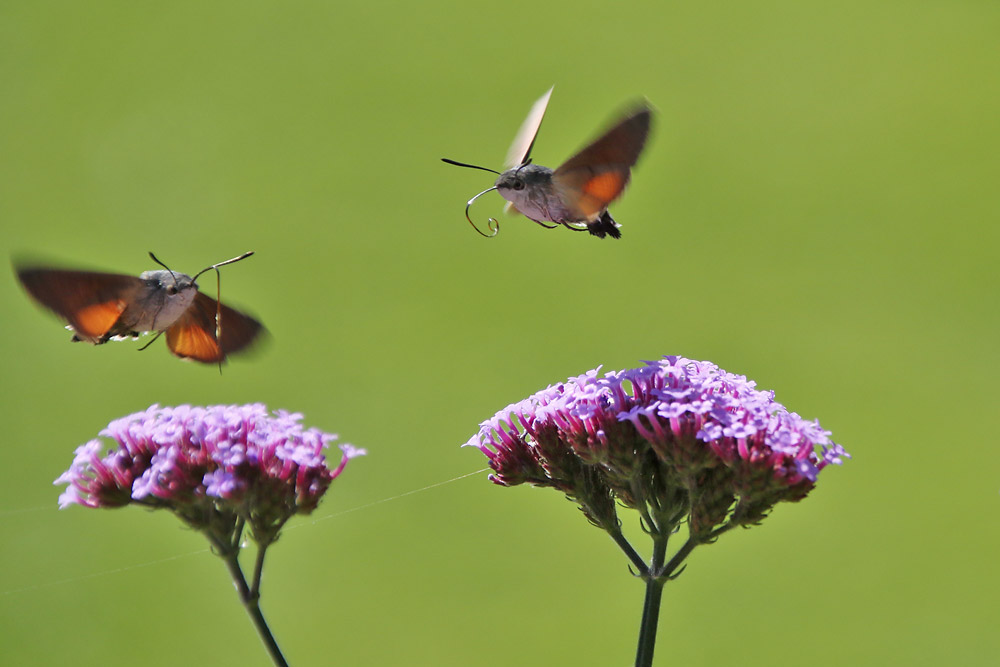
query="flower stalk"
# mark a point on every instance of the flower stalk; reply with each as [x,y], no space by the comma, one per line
[250,599]
[650,620]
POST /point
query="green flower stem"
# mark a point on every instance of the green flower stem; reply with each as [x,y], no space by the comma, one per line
[671,568]
[651,603]
[258,569]
[251,603]
[656,576]
[234,543]
[636,559]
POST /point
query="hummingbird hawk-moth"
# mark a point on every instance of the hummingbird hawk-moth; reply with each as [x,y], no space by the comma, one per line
[575,195]
[98,307]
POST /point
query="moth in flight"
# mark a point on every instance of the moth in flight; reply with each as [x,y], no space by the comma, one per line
[99,307]
[576,195]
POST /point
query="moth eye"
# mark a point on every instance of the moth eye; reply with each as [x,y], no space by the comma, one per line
[518,185]
[171,289]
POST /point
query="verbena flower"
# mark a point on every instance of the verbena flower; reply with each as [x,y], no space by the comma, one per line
[222,462]
[221,469]
[683,436]
[676,440]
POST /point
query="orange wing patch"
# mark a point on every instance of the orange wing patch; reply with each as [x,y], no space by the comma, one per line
[605,187]
[188,340]
[93,321]
[589,191]
[598,174]
[193,336]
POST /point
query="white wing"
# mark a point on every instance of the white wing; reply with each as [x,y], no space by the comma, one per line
[520,150]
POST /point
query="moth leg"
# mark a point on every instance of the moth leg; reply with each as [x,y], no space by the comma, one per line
[539,222]
[158,334]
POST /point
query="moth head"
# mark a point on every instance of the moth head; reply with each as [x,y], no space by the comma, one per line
[514,184]
[169,281]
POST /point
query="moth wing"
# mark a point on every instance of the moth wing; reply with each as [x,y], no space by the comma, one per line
[90,302]
[193,335]
[524,140]
[239,330]
[597,175]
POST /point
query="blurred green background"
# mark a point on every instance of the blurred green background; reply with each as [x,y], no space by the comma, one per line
[817,209]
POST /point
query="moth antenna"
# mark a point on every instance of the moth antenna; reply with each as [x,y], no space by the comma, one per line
[172,274]
[158,333]
[492,223]
[470,166]
[216,266]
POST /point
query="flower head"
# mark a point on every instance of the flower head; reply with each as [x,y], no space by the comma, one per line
[211,465]
[676,438]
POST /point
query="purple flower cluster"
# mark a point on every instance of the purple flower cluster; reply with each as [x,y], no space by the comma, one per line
[682,437]
[236,461]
